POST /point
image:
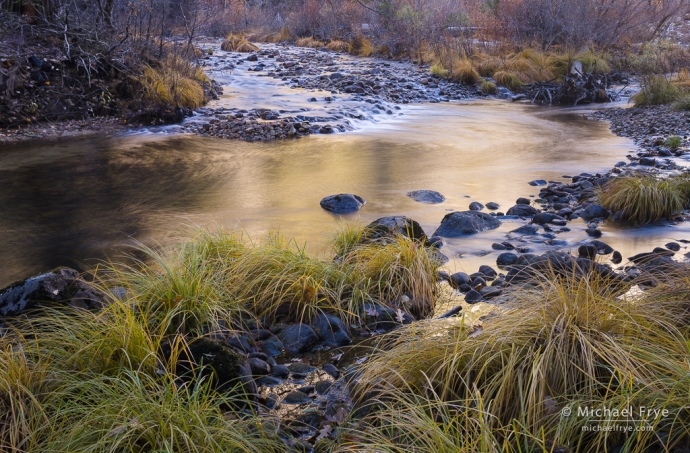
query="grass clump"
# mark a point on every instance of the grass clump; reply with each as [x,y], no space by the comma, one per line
[568,343]
[175,81]
[656,90]
[645,198]
[462,71]
[488,87]
[508,80]
[337,46]
[361,46]
[673,142]
[238,43]
[439,71]
[309,41]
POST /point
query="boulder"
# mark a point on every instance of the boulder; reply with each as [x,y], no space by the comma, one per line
[492,206]
[476,206]
[458,279]
[522,210]
[506,259]
[331,330]
[298,338]
[467,222]
[426,196]
[342,203]
[60,287]
[387,227]
[594,211]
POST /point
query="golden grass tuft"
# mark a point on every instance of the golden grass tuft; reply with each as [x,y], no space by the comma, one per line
[238,43]
[461,70]
[309,41]
[645,198]
[337,46]
[488,87]
[175,81]
[360,46]
[508,80]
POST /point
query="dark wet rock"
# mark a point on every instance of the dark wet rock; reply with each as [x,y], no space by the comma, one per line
[476,206]
[241,342]
[342,203]
[298,338]
[436,241]
[490,292]
[497,246]
[300,368]
[527,230]
[297,397]
[663,251]
[322,387]
[538,182]
[269,381]
[387,227]
[587,251]
[559,263]
[543,218]
[522,210]
[648,161]
[594,211]
[377,317]
[252,57]
[205,359]
[602,247]
[331,370]
[492,206]
[260,334]
[506,259]
[272,347]
[674,246]
[616,258]
[458,279]
[60,287]
[478,282]
[467,222]
[259,367]
[473,296]
[522,200]
[280,371]
[594,232]
[488,271]
[331,330]
[271,401]
[426,196]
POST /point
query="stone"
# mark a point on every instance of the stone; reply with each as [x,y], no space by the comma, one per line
[492,206]
[60,287]
[616,258]
[488,271]
[602,247]
[259,367]
[522,210]
[587,251]
[331,330]
[674,246]
[322,387]
[272,347]
[297,397]
[527,230]
[426,196]
[648,161]
[476,206]
[467,222]
[342,203]
[594,232]
[458,279]
[300,368]
[473,297]
[523,200]
[331,370]
[543,218]
[280,371]
[538,182]
[298,338]
[388,227]
[594,211]
[506,259]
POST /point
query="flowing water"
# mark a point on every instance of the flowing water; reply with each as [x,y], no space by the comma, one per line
[75,201]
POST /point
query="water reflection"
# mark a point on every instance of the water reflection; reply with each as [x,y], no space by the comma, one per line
[78,200]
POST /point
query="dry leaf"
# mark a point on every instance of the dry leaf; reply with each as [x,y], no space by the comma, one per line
[324,432]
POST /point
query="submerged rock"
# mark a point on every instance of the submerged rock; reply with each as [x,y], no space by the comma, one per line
[387,227]
[466,222]
[426,196]
[62,286]
[342,203]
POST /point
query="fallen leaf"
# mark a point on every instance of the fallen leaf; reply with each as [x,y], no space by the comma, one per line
[324,432]
[399,316]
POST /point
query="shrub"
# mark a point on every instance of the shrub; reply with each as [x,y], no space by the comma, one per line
[488,87]
[673,142]
[656,90]
[508,80]
[645,198]
[683,103]
[237,43]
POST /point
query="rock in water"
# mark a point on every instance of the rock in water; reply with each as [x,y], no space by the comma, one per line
[342,203]
[331,329]
[426,196]
[298,338]
[522,210]
[387,227]
[62,286]
[466,222]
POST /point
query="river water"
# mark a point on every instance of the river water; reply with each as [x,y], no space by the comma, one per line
[73,202]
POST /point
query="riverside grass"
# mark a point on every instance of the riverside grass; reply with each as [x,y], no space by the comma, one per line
[645,198]
[562,345]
